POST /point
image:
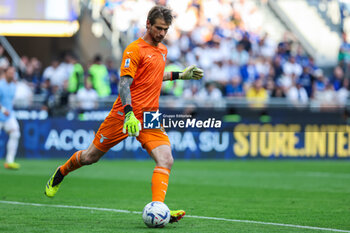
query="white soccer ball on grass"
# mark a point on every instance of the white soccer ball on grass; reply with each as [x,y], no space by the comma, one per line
[156,214]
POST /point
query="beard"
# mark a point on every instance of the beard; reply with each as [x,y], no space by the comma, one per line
[156,38]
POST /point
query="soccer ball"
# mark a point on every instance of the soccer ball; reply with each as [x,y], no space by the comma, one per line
[156,214]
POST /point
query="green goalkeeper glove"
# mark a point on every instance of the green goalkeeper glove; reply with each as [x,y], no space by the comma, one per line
[191,72]
[131,124]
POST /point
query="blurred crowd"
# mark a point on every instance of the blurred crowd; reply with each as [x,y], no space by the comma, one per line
[65,83]
[226,39]
[223,37]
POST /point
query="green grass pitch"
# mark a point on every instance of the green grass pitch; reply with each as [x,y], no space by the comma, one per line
[302,193]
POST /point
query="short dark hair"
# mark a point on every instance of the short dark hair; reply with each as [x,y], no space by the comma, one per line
[162,12]
[98,58]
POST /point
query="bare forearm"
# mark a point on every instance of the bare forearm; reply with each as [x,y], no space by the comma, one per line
[167,76]
[124,89]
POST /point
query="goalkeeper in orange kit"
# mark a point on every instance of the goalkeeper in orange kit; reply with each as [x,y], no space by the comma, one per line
[142,74]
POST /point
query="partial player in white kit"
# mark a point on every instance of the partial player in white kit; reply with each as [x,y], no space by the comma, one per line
[8,122]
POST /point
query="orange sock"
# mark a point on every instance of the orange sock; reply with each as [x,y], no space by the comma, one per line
[160,181]
[72,164]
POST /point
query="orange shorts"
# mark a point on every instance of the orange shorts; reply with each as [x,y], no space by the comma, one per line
[111,133]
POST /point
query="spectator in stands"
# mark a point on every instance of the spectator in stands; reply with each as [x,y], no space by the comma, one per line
[56,99]
[113,76]
[235,87]
[249,73]
[76,79]
[240,56]
[219,73]
[319,84]
[286,81]
[67,65]
[297,95]
[31,72]
[266,47]
[185,42]
[343,8]
[174,53]
[257,94]
[56,73]
[270,86]
[344,54]
[190,93]
[284,48]
[311,64]
[337,78]
[277,67]
[246,43]
[234,69]
[210,94]
[24,62]
[327,98]
[24,94]
[45,90]
[99,78]
[263,66]
[203,56]
[87,97]
[301,57]
[278,91]
[292,67]
[306,79]
[343,93]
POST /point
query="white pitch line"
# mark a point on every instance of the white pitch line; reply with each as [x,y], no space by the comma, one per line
[268,223]
[188,216]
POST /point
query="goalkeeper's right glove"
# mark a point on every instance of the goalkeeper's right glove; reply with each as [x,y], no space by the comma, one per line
[191,72]
[131,123]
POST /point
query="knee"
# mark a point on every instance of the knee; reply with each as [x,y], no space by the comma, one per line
[170,161]
[88,158]
[167,160]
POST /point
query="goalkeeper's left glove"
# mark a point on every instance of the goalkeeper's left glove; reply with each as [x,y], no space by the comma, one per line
[131,123]
[191,72]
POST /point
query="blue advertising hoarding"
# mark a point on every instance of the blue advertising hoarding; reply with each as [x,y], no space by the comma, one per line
[60,138]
